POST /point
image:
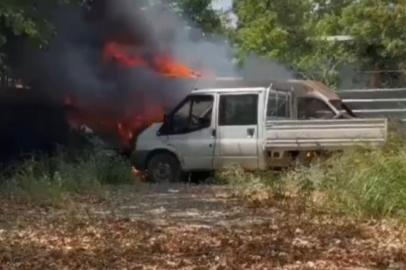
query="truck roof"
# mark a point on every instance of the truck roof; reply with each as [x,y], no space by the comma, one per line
[299,87]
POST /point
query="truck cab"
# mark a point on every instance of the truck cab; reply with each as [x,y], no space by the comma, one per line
[255,125]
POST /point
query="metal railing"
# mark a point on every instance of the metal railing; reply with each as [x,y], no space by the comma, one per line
[385,102]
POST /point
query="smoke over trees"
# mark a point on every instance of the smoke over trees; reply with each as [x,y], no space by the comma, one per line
[118,64]
[22,21]
[290,32]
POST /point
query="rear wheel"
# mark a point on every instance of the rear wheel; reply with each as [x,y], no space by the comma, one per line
[163,168]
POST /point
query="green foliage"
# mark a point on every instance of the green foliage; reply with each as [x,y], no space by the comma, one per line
[294,31]
[48,180]
[245,181]
[21,18]
[200,13]
[236,176]
[363,182]
[377,29]
[272,28]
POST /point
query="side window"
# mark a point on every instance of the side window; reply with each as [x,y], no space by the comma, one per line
[195,114]
[313,108]
[238,110]
[278,106]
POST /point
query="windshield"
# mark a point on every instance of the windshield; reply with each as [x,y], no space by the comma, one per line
[342,107]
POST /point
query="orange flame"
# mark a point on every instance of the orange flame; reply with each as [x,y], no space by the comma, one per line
[117,52]
[125,128]
[163,65]
[128,127]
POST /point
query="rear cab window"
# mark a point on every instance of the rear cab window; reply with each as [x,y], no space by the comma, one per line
[278,107]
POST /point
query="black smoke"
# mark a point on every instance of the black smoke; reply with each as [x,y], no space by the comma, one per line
[72,65]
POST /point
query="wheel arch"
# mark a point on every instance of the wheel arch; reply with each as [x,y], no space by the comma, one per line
[156,152]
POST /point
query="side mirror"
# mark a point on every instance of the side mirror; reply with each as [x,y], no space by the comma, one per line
[166,123]
[164,127]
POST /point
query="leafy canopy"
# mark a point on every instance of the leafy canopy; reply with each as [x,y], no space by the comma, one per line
[294,31]
[22,18]
[201,13]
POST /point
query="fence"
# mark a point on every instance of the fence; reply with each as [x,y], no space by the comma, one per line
[370,103]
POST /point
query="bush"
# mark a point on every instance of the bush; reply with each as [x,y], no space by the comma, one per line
[238,177]
[257,187]
[365,182]
[47,179]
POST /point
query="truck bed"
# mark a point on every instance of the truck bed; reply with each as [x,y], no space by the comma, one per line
[324,134]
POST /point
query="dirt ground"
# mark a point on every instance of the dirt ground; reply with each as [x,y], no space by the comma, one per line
[181,226]
[199,206]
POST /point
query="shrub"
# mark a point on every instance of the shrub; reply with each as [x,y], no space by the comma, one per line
[47,179]
[238,177]
[365,182]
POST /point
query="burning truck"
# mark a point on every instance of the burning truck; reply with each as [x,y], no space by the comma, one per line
[122,131]
[118,67]
[114,67]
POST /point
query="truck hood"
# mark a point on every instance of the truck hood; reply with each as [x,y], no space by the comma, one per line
[151,131]
[149,139]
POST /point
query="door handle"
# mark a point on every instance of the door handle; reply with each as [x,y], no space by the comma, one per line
[251,132]
[213,133]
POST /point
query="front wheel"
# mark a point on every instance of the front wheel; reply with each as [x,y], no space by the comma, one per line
[163,168]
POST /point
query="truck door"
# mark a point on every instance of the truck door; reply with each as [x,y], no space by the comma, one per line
[191,132]
[237,131]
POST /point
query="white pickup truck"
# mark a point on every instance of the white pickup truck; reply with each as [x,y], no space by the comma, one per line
[256,125]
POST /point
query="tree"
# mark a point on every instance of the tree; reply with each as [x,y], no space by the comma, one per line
[271,28]
[294,32]
[22,19]
[200,13]
[377,28]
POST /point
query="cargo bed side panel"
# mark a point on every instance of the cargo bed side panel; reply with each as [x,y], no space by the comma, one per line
[324,134]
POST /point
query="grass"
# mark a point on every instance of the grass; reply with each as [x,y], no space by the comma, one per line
[362,182]
[50,180]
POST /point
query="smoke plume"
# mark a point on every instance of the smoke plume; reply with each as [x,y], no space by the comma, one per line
[141,75]
[74,69]
[73,65]
[257,68]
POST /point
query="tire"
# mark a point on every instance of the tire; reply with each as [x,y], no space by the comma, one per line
[163,168]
